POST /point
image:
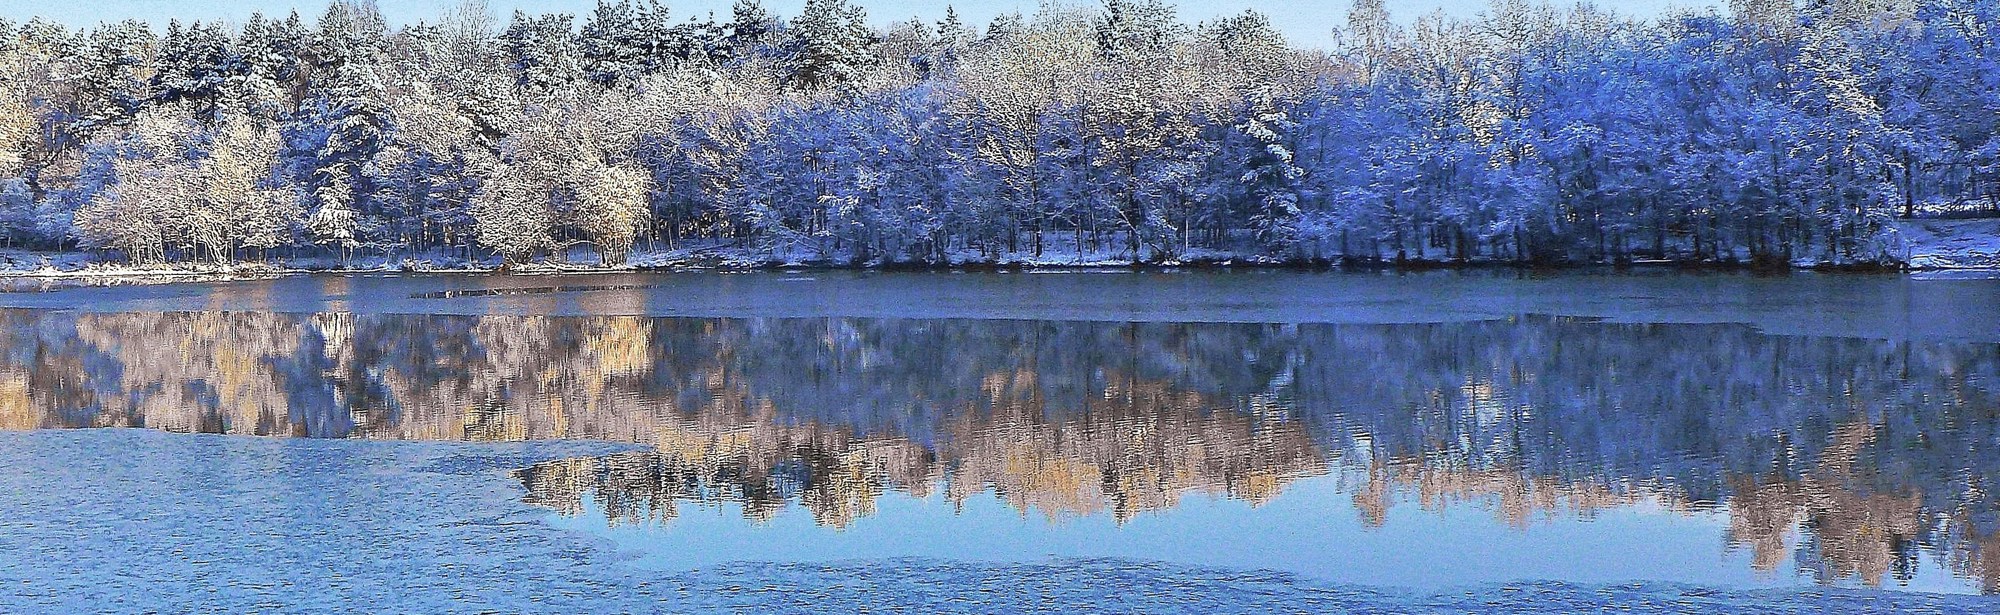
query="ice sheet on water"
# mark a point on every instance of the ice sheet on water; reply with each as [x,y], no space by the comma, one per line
[1844,305]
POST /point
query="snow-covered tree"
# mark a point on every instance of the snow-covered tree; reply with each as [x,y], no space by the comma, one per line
[512,217]
[612,209]
[235,205]
[17,129]
[832,46]
[542,51]
[1779,131]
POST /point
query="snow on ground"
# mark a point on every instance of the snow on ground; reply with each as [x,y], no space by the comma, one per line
[19,262]
[146,521]
[1930,244]
[1953,244]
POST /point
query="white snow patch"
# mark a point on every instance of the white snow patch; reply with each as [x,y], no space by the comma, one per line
[1953,244]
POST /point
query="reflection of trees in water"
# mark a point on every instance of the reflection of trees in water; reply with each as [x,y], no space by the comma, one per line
[1857,531]
[183,372]
[1875,449]
[1137,447]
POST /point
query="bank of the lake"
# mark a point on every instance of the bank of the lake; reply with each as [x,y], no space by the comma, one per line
[1930,245]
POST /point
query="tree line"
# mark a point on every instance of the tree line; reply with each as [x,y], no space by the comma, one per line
[1767,133]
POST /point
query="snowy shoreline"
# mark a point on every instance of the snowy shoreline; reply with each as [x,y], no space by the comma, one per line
[115,272]
[107,270]
[1933,246]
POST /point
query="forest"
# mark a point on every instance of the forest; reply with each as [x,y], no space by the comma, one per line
[1764,133]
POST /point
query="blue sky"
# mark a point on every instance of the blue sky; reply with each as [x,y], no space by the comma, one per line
[1307,22]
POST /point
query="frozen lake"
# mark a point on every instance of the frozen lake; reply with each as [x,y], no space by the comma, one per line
[977,442]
